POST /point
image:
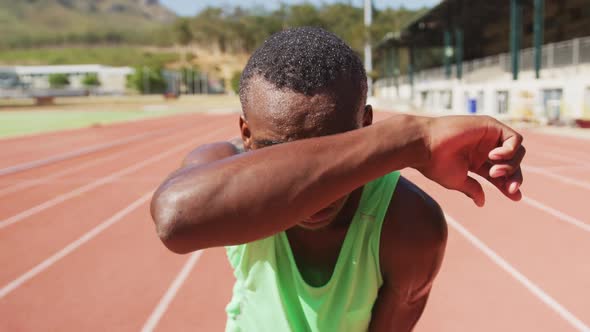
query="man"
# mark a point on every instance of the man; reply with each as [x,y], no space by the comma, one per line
[322,232]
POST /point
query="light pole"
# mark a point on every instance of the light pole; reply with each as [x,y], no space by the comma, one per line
[368,51]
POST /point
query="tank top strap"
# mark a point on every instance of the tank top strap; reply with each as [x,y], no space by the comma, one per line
[373,207]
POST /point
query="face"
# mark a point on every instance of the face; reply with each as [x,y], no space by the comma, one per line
[276,116]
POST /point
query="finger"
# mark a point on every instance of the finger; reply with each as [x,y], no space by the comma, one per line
[473,190]
[510,141]
[502,183]
[514,182]
[510,167]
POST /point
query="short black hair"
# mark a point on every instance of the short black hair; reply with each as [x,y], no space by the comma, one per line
[306,60]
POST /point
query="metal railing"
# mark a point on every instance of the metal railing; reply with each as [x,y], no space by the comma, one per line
[554,55]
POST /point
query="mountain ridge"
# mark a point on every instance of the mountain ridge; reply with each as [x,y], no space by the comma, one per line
[33,22]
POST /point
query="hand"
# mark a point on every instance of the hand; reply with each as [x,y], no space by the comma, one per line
[478,144]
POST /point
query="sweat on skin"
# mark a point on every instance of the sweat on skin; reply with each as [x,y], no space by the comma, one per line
[309,157]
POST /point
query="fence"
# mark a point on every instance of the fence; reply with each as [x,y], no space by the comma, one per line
[554,55]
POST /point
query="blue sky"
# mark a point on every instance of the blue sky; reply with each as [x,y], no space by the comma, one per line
[191,7]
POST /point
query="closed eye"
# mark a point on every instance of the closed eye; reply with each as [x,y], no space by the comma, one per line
[266,143]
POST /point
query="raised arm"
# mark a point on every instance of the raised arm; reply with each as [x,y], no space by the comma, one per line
[244,197]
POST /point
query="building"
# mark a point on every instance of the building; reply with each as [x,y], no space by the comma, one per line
[525,59]
[34,80]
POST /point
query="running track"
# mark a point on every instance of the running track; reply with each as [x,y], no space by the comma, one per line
[78,249]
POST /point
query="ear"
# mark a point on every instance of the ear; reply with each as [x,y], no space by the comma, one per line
[246,134]
[368,116]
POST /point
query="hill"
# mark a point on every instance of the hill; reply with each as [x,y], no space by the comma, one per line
[26,23]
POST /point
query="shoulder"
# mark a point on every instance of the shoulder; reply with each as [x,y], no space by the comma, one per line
[415,216]
[413,239]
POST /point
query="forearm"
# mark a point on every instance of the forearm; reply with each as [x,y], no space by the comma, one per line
[259,193]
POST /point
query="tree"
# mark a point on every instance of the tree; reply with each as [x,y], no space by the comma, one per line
[304,15]
[182,32]
[147,80]
[91,80]
[235,82]
[346,22]
[58,81]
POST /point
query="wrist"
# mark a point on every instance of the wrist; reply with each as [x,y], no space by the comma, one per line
[408,141]
[424,141]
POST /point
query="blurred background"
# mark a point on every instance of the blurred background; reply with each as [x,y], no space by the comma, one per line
[525,60]
[100,99]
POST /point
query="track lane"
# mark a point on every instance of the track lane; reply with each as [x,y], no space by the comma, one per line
[126,266]
[472,294]
[68,220]
[53,145]
[549,252]
[29,198]
[112,282]
[200,302]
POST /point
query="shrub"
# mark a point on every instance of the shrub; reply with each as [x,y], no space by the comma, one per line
[58,81]
[235,81]
[147,80]
[91,80]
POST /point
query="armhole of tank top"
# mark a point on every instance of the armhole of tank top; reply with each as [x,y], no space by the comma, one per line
[391,181]
[234,254]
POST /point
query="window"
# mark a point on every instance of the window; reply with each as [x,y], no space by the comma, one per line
[447,99]
[552,104]
[586,113]
[502,102]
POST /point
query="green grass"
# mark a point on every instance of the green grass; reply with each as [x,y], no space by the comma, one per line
[106,55]
[21,117]
[16,123]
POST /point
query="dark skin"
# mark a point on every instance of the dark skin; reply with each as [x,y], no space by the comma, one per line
[318,151]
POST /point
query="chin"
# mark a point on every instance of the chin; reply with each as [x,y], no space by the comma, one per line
[317,225]
[335,208]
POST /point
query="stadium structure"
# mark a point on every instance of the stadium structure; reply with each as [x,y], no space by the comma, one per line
[515,59]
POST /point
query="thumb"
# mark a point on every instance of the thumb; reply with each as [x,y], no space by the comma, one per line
[473,190]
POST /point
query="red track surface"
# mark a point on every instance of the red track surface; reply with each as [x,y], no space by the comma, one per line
[79,253]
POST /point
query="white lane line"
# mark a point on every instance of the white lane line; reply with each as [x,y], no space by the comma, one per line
[556,213]
[547,209]
[73,246]
[521,278]
[561,178]
[29,183]
[80,190]
[165,301]
[76,153]
[560,157]
[563,168]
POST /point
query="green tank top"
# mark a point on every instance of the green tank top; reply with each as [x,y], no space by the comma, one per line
[271,295]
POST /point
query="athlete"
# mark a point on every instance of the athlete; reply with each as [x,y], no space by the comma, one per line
[321,230]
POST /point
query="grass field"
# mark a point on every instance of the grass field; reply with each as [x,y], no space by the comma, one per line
[29,122]
[106,55]
[19,118]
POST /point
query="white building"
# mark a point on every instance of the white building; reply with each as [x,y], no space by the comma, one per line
[562,92]
[113,80]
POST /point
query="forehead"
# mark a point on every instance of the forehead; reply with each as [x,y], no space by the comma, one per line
[286,115]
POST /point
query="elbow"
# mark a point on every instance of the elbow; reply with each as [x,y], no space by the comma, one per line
[162,211]
[165,210]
